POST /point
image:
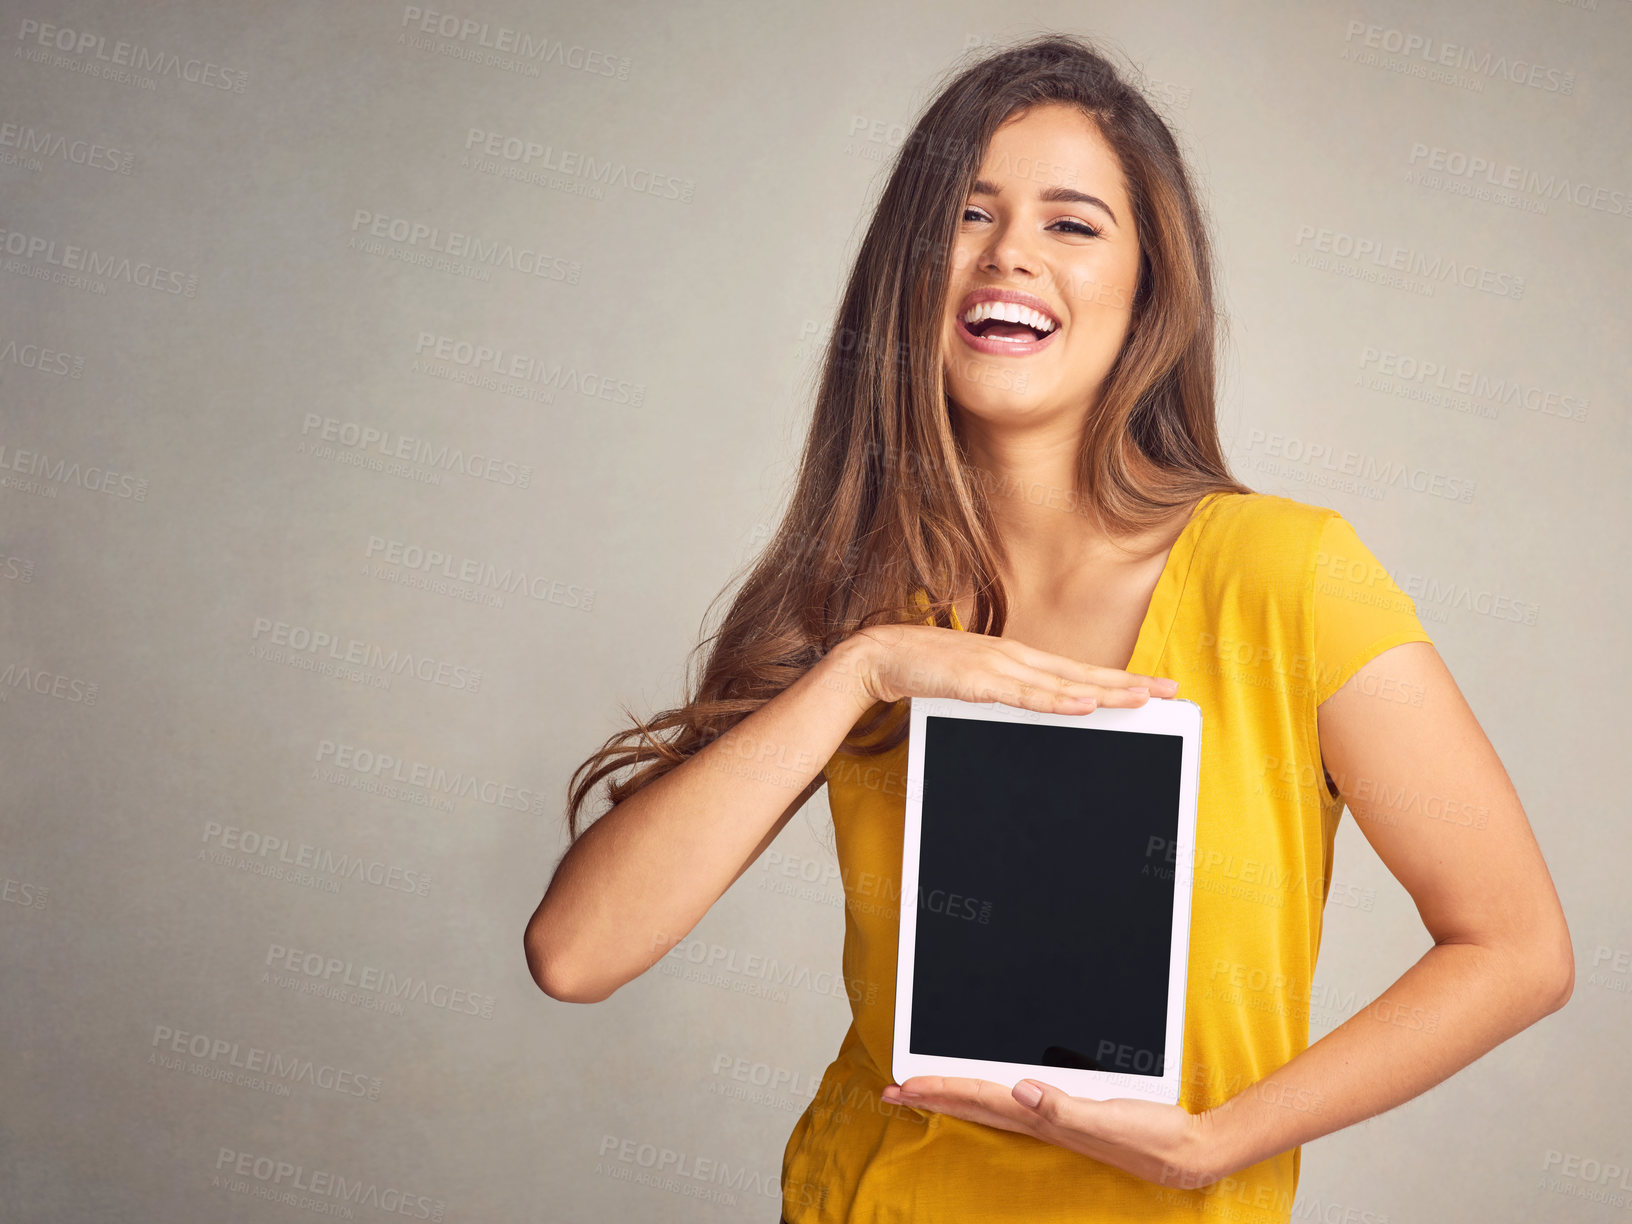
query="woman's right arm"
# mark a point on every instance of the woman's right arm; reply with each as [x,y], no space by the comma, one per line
[640,878]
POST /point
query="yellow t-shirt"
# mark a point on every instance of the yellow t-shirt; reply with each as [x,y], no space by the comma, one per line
[1264,608]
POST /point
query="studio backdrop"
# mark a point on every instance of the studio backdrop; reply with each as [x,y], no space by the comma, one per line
[388,392]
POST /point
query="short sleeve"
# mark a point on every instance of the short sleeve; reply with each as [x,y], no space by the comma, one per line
[1358,611]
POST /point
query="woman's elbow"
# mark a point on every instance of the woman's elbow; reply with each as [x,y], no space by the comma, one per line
[551,974]
[1551,967]
[1562,978]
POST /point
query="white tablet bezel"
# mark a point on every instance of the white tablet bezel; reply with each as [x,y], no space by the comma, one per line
[1159,715]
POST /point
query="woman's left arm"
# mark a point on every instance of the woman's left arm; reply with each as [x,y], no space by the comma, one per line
[1431,796]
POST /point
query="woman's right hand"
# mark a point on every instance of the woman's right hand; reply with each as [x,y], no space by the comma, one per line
[896,661]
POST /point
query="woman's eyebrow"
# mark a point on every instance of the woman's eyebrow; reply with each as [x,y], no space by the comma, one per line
[1049,195]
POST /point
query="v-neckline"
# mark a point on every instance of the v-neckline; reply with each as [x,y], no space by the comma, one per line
[1149,646]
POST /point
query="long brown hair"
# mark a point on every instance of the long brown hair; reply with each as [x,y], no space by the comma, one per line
[886,502]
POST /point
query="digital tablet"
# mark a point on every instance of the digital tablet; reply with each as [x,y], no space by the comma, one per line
[1051,857]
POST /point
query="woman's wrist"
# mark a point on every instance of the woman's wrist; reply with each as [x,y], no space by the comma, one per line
[846,669]
[1202,1154]
[1215,1156]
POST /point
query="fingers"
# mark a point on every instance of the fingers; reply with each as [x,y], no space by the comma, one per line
[1030,689]
[1077,670]
[930,661]
[1041,687]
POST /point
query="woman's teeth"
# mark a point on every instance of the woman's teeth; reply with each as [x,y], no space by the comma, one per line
[1007,321]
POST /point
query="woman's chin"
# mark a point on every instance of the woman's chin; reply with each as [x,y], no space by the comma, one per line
[997,398]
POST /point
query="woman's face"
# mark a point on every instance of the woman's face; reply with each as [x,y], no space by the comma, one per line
[1049,225]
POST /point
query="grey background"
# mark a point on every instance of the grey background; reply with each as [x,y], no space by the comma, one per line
[169,519]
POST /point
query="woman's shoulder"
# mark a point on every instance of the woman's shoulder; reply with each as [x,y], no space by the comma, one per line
[1263,540]
[1267,522]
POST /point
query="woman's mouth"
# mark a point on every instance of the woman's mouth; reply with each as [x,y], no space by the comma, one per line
[1006,330]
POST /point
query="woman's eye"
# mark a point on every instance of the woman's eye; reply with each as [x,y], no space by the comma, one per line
[1079,227]
[971,213]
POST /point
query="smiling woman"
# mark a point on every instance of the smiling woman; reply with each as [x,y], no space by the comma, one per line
[1013,490]
[1091,269]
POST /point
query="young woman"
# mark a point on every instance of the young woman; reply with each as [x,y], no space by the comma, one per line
[1013,490]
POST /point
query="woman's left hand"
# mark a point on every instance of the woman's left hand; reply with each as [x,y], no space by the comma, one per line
[1166,1144]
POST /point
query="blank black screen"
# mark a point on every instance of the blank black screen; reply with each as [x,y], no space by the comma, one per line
[1045,898]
